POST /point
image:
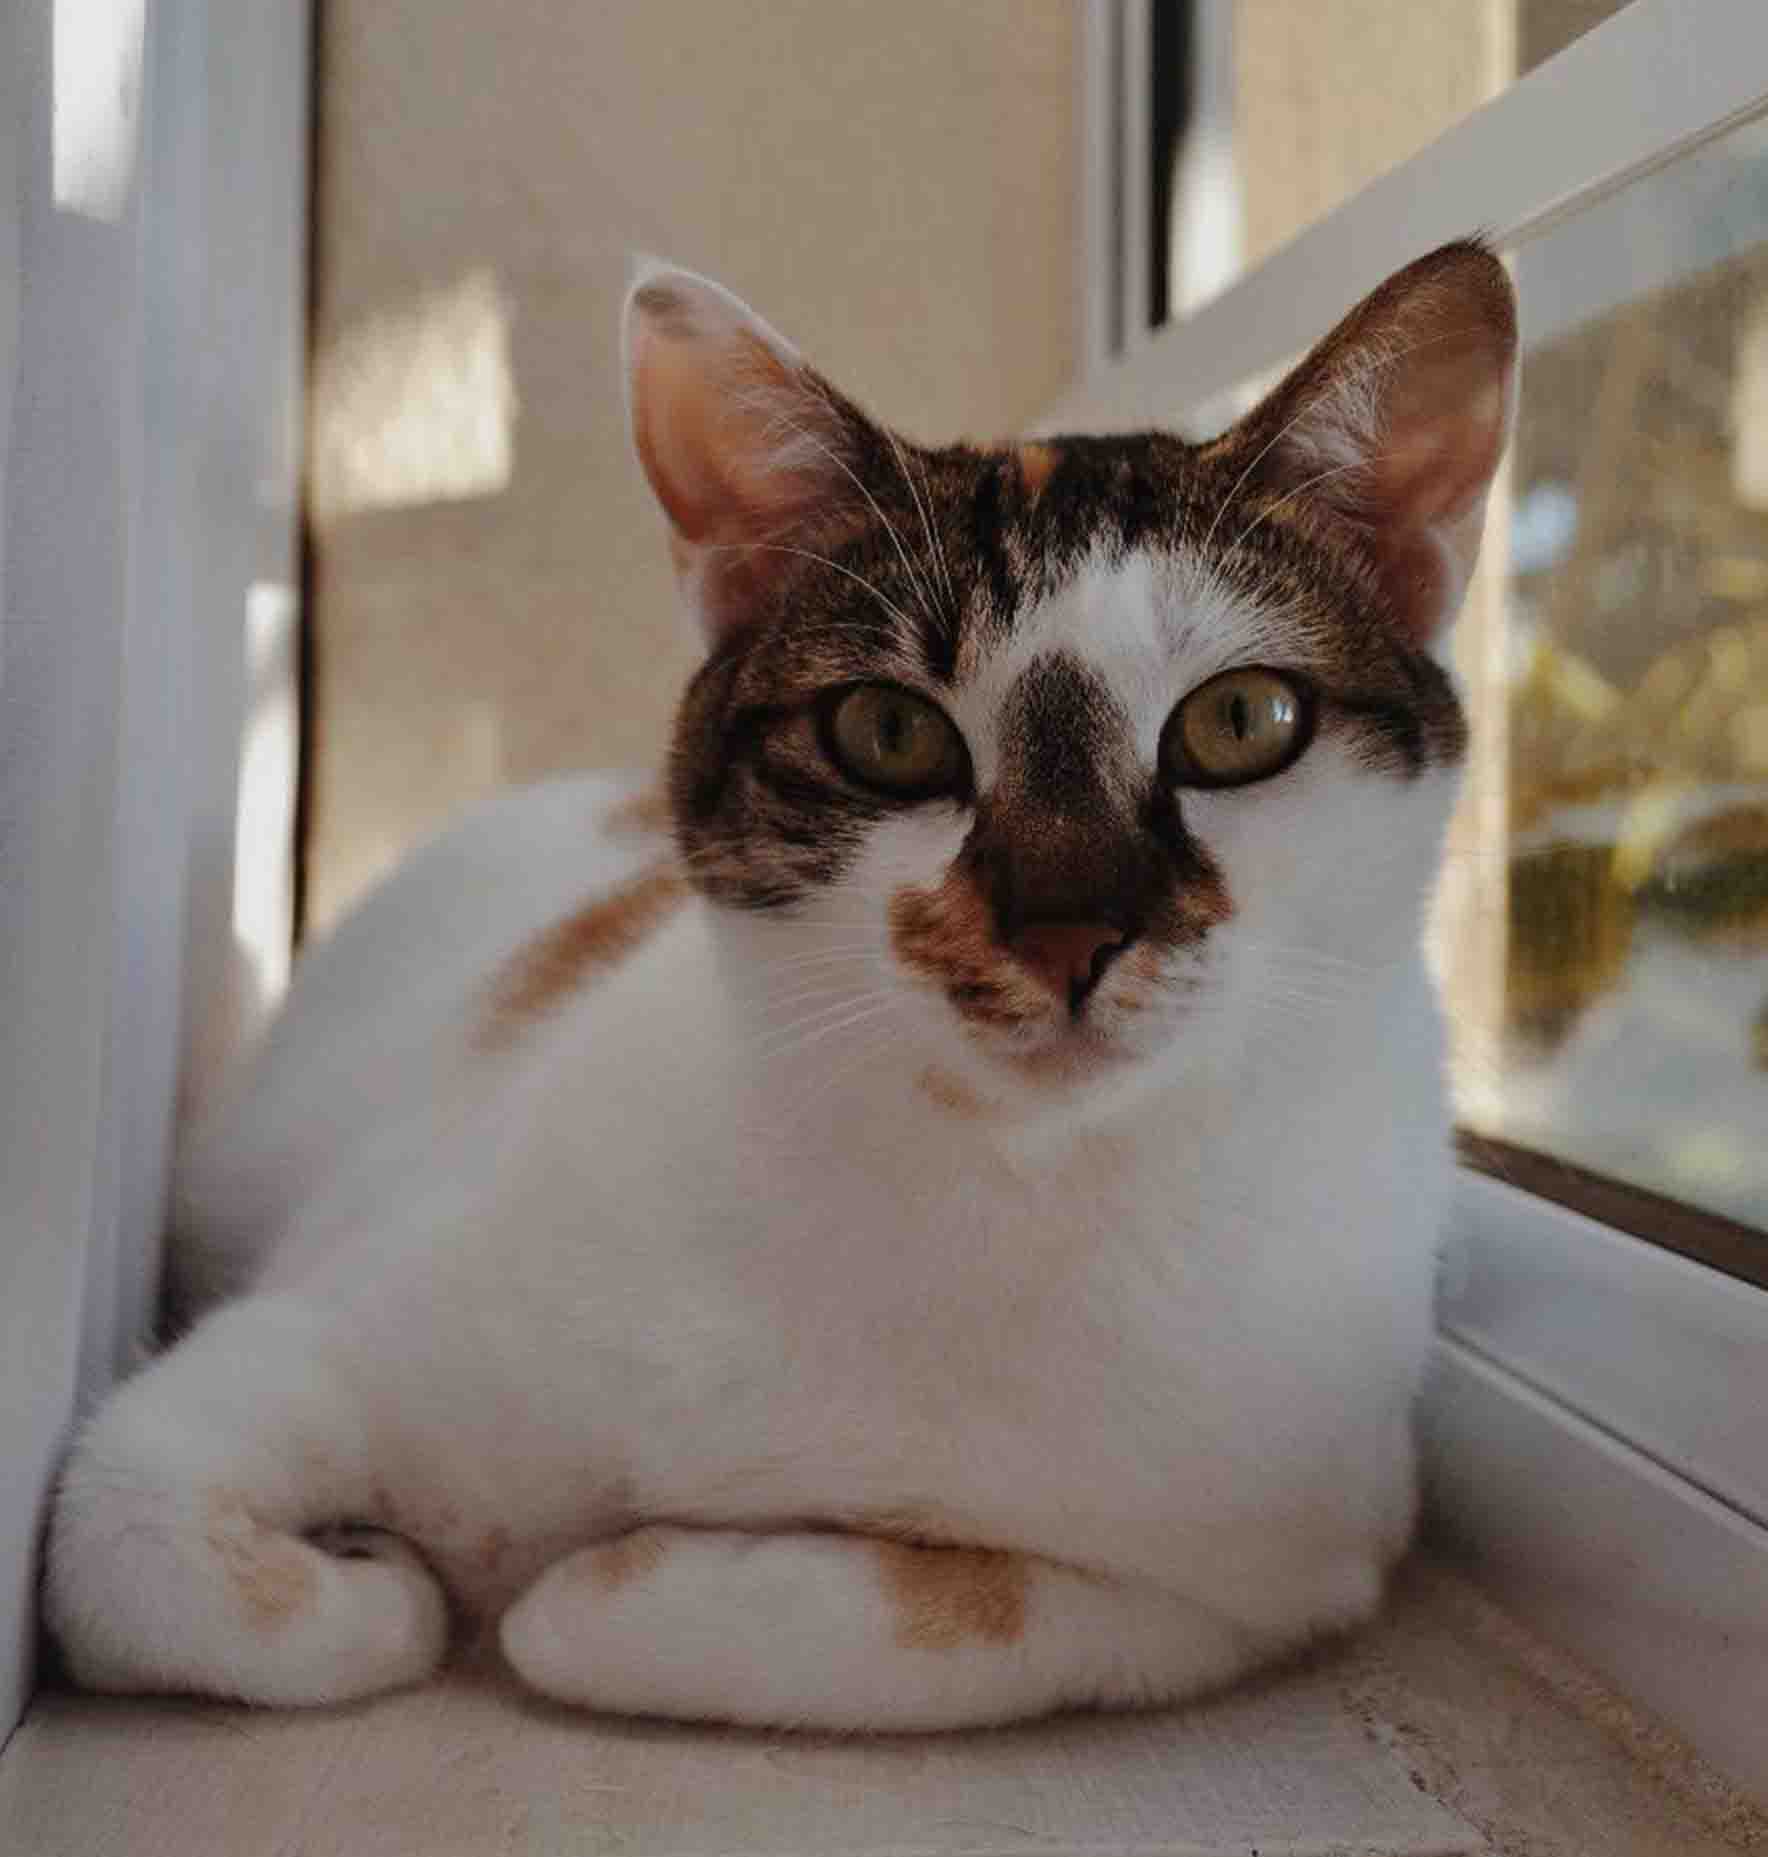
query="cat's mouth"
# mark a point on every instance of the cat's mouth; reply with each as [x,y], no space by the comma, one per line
[1053,1047]
[1070,1054]
[1065,1002]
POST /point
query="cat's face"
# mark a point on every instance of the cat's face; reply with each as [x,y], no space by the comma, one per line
[1065,762]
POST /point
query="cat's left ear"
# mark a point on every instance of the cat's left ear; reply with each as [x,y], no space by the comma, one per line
[752,455]
[1395,424]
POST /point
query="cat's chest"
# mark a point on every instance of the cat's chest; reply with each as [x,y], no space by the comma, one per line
[955,1307]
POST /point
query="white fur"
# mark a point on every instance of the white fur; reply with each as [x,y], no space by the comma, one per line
[701,1251]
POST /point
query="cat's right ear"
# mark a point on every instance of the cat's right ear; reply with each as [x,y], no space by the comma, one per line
[744,445]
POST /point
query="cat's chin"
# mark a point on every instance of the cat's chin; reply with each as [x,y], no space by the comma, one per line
[1063,1058]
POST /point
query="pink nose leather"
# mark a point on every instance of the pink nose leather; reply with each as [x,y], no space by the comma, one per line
[1065,955]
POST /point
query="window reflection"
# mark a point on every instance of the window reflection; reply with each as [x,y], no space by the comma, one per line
[1636,990]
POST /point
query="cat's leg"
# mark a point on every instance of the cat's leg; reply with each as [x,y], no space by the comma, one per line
[850,1632]
[178,1558]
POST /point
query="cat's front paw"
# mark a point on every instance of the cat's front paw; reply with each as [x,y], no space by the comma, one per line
[234,1608]
[361,1541]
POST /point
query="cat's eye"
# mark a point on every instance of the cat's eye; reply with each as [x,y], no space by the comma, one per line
[1239,727]
[887,737]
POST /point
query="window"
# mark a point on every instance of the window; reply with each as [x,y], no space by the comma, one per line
[1594,1424]
[1264,117]
[1635,693]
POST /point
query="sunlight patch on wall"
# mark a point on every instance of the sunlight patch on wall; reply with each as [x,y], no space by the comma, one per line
[416,405]
[97,106]
[1749,412]
[264,833]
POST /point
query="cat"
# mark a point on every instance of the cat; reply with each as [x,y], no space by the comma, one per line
[928,1220]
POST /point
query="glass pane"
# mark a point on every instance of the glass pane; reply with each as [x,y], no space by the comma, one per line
[1279,111]
[1635,1010]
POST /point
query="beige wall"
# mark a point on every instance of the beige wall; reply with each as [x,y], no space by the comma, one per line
[1331,93]
[893,186]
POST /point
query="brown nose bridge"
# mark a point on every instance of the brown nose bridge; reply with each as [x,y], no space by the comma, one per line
[1053,841]
[1041,866]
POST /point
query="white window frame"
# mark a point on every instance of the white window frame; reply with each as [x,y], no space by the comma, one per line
[1596,1423]
[152,327]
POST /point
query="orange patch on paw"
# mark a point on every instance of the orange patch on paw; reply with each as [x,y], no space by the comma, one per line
[616,1563]
[273,1573]
[492,1549]
[560,959]
[945,1597]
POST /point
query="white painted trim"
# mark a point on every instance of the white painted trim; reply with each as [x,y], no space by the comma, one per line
[1596,1439]
[66,460]
[1098,281]
[1656,1586]
[1653,82]
[1136,168]
[1662,228]
[1661,1352]
[150,485]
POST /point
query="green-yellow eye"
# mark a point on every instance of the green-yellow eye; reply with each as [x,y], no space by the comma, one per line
[1239,727]
[889,738]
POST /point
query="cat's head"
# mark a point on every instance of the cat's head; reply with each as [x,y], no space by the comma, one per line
[1066,760]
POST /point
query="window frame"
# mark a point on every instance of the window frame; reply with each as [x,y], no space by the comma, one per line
[1589,1453]
[153,570]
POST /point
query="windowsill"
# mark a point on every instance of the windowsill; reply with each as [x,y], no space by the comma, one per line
[1446,1729]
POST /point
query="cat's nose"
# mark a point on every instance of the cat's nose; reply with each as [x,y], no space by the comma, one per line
[1069,957]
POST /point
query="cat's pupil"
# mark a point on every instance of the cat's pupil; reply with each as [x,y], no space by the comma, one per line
[893,730]
[1239,716]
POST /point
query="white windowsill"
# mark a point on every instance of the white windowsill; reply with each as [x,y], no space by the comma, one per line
[1444,1730]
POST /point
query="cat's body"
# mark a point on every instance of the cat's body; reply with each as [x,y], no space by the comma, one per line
[781,1286]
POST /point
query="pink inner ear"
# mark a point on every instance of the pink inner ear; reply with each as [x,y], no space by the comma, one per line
[747,450]
[1397,421]
[1440,448]
[701,424]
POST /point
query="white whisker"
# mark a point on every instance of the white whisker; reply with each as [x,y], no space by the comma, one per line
[794,1048]
[821,1021]
[933,548]
[841,464]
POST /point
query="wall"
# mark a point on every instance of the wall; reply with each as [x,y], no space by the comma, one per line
[1330,95]
[894,187]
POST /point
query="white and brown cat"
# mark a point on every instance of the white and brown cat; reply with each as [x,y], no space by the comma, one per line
[936,1222]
